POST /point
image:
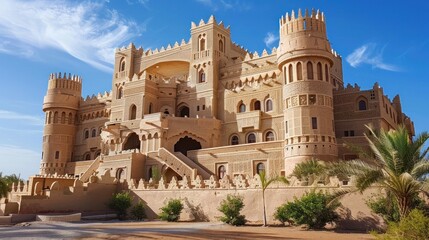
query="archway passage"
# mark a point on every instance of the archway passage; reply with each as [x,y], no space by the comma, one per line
[132,142]
[184,111]
[186,144]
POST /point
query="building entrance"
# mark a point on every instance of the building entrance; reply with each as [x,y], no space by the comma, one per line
[186,144]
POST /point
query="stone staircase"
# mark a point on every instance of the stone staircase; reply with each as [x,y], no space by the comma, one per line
[91,169]
[181,164]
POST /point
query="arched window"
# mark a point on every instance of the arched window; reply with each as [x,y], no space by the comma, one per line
[49,117]
[299,71]
[260,167]
[86,134]
[150,108]
[149,173]
[120,93]
[122,65]
[326,73]
[63,118]
[70,119]
[290,70]
[202,76]
[268,105]
[234,140]
[257,105]
[269,136]
[221,49]
[93,132]
[221,171]
[242,108]
[120,174]
[133,112]
[202,44]
[362,105]
[87,156]
[251,138]
[310,70]
[319,71]
[97,154]
[56,117]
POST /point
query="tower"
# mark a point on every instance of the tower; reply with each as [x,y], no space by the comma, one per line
[305,59]
[210,46]
[60,106]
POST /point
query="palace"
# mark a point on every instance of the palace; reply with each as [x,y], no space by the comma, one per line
[209,107]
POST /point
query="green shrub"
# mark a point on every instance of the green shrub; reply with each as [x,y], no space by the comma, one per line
[120,202]
[231,207]
[314,209]
[138,211]
[415,226]
[387,207]
[171,211]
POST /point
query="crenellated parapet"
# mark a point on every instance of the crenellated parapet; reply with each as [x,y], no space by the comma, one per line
[211,21]
[303,35]
[96,98]
[65,82]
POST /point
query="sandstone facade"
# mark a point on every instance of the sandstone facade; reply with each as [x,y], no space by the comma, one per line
[209,107]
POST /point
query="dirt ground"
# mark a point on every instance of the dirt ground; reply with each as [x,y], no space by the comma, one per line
[163,230]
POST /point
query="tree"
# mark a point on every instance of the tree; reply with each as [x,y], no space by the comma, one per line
[6,182]
[171,211]
[314,209]
[265,183]
[120,202]
[231,207]
[395,162]
[310,170]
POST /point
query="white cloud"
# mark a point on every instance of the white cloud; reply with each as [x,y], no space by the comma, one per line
[86,30]
[18,160]
[31,120]
[216,5]
[270,38]
[369,54]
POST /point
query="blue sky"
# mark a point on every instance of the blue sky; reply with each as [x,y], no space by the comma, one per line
[380,41]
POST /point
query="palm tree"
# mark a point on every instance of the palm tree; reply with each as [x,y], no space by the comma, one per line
[310,170]
[396,163]
[4,188]
[265,182]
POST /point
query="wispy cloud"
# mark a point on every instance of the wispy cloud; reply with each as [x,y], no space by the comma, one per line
[19,160]
[31,120]
[216,5]
[372,55]
[270,38]
[88,31]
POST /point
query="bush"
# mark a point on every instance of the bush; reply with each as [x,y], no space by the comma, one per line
[231,207]
[138,211]
[414,226]
[313,209]
[120,203]
[171,211]
[387,207]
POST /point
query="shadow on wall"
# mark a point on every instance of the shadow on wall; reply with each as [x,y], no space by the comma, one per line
[359,223]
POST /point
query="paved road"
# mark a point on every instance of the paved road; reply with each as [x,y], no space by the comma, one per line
[163,230]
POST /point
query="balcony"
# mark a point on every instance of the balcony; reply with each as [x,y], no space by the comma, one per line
[249,119]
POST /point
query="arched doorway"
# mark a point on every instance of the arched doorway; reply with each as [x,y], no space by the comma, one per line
[184,111]
[186,144]
[132,142]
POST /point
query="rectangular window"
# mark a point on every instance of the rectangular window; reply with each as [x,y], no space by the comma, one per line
[286,129]
[352,133]
[346,133]
[57,154]
[204,107]
[314,122]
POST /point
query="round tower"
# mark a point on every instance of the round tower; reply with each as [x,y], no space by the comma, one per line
[305,59]
[60,105]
